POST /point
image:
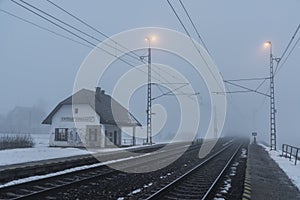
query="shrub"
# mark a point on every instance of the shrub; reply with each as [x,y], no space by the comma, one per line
[15,141]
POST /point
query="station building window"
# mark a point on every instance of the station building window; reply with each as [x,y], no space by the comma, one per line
[61,134]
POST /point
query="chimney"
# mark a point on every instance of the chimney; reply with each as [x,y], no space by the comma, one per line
[102,91]
[98,90]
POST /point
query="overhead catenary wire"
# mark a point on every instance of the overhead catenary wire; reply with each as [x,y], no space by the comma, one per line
[61,21]
[249,79]
[76,35]
[169,92]
[286,54]
[193,24]
[194,44]
[74,28]
[278,68]
[106,36]
[179,19]
[91,27]
[264,79]
[72,33]
[45,29]
[246,88]
[290,42]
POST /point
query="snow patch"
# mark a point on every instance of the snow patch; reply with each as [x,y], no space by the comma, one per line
[165,176]
[23,155]
[136,191]
[244,153]
[148,185]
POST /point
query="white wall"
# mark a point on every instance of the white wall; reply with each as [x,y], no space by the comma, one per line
[61,120]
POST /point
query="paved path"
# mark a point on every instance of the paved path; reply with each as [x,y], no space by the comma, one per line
[268,181]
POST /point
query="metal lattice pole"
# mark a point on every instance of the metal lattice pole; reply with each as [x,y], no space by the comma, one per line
[272,101]
[149,112]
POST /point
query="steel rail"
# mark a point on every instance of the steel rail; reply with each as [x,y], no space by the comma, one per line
[209,191]
[82,178]
[166,189]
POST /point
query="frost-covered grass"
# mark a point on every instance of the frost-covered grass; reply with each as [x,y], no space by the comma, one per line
[13,141]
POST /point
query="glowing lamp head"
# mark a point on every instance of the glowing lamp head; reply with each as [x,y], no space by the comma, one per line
[267,44]
[150,39]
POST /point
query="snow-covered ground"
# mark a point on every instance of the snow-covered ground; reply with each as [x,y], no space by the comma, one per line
[40,151]
[14,156]
[289,167]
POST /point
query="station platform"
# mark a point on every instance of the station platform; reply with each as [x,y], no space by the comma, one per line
[265,180]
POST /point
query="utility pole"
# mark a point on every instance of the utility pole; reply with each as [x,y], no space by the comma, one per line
[149,99]
[272,99]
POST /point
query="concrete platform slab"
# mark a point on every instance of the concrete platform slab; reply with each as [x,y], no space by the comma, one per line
[268,181]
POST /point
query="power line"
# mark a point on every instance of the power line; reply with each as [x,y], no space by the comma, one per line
[169,92]
[44,28]
[65,29]
[106,36]
[248,79]
[174,11]
[246,88]
[286,49]
[74,28]
[233,92]
[91,27]
[290,42]
[193,42]
[198,34]
[49,15]
[78,36]
[261,84]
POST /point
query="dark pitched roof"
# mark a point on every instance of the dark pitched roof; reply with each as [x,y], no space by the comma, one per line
[102,104]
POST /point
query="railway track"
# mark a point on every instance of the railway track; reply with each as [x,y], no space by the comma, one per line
[199,182]
[35,189]
[110,183]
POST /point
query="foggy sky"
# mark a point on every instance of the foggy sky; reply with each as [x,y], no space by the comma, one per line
[35,64]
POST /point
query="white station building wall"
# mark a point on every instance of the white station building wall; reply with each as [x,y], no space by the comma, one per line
[77,134]
[79,125]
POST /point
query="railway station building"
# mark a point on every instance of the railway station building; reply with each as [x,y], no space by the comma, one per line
[89,119]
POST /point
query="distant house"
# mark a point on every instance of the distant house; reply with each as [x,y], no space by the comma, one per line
[89,118]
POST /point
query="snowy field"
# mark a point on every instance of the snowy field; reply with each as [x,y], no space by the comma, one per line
[292,170]
[40,151]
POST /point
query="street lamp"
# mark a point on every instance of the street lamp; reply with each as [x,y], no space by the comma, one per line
[272,97]
[149,39]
